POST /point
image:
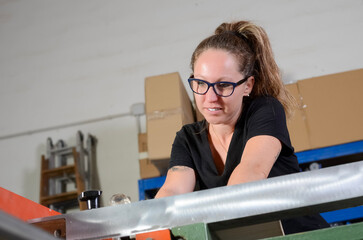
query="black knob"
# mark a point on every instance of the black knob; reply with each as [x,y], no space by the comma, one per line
[92,198]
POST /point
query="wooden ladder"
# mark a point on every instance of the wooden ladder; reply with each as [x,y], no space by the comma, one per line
[64,199]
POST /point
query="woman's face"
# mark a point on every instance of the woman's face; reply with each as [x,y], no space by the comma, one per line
[215,65]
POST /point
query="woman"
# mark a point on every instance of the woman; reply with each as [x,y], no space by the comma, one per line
[238,90]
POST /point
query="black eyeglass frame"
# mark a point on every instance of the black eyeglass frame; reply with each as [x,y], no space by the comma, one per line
[212,85]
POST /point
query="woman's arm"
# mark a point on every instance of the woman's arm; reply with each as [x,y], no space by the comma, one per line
[179,180]
[258,157]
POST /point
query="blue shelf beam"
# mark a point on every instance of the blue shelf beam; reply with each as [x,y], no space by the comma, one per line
[149,183]
[330,152]
[343,215]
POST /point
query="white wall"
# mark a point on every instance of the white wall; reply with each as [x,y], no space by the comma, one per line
[65,62]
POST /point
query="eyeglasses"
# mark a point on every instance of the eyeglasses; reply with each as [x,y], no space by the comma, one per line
[223,89]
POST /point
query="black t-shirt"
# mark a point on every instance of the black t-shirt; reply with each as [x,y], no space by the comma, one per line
[260,116]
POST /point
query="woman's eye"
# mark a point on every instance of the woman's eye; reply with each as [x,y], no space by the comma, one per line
[200,83]
[224,85]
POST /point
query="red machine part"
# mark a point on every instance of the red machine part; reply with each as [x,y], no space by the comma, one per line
[156,235]
[21,207]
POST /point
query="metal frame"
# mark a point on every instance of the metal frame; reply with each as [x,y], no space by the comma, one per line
[12,228]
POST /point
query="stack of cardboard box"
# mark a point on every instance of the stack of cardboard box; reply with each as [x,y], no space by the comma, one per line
[168,108]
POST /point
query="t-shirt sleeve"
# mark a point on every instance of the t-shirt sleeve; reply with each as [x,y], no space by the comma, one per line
[267,117]
[180,151]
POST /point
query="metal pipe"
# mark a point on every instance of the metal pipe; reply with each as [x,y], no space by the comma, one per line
[12,228]
[39,130]
[255,202]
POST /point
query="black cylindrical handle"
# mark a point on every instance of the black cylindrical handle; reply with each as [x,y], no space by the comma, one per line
[92,198]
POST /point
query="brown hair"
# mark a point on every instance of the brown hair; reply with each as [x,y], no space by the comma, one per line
[249,43]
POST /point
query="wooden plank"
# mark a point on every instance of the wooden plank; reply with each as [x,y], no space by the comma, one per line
[60,171]
[62,197]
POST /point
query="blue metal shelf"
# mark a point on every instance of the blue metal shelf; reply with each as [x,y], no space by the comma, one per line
[149,183]
[343,215]
[330,152]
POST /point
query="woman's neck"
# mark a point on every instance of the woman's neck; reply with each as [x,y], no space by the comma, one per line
[222,133]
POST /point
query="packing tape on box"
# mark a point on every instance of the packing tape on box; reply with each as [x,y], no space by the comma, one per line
[163,113]
[143,155]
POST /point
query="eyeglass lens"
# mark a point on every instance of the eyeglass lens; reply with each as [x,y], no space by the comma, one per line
[222,89]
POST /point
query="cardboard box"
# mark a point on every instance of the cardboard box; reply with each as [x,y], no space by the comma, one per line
[297,122]
[146,167]
[168,108]
[330,111]
[333,108]
[142,143]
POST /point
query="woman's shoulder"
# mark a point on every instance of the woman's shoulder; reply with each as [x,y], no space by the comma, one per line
[265,106]
[265,100]
[195,127]
[192,132]
[267,103]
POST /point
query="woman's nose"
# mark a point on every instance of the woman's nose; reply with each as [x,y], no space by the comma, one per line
[211,96]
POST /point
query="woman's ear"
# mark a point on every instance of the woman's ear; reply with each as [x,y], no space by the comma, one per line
[249,86]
